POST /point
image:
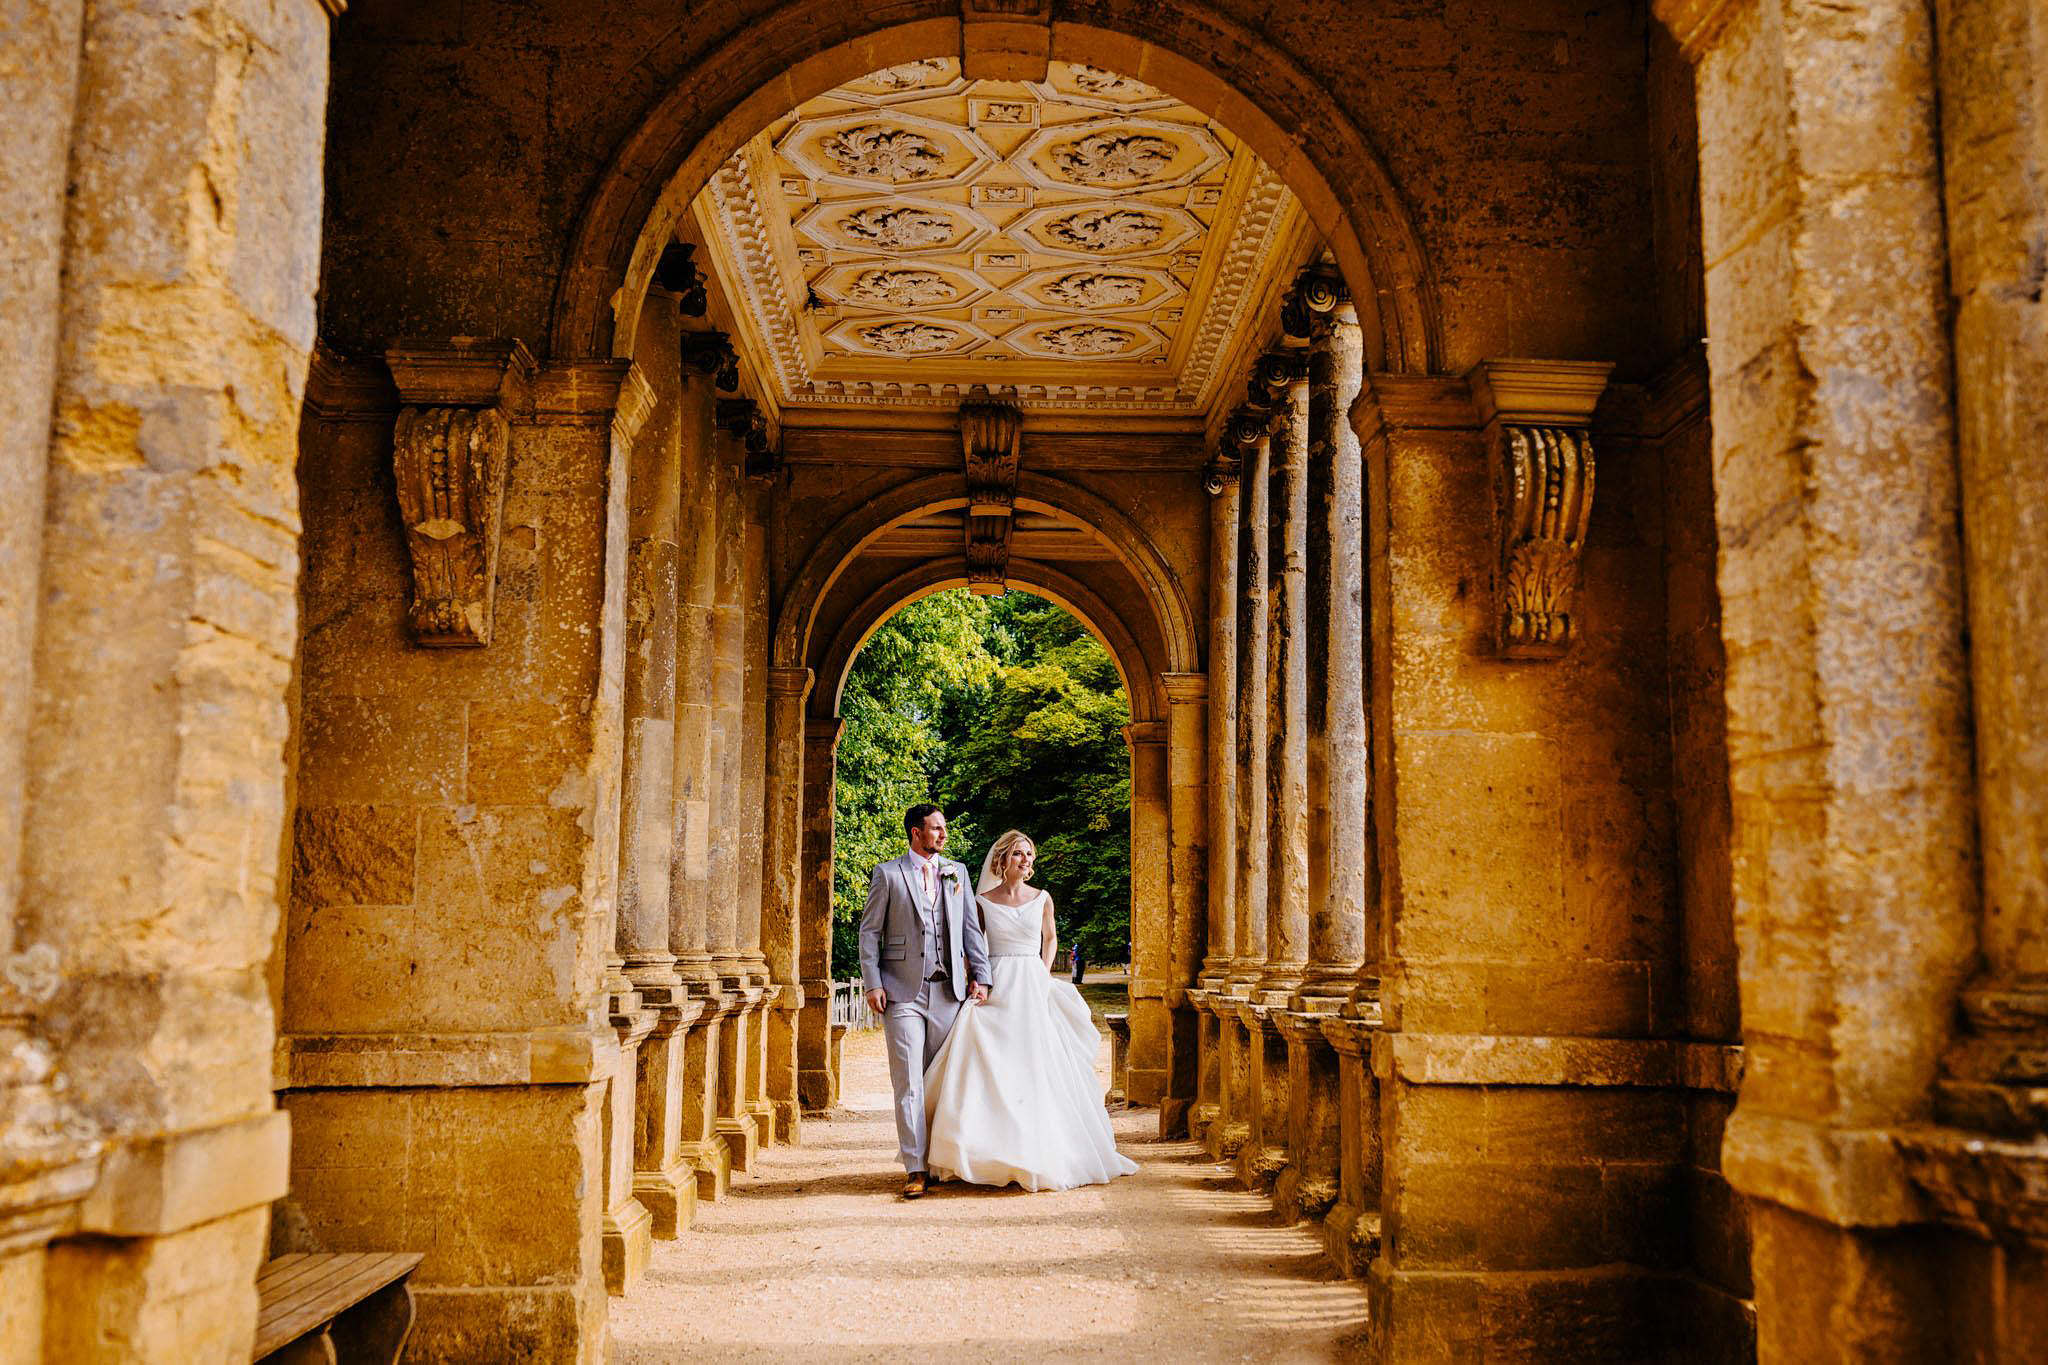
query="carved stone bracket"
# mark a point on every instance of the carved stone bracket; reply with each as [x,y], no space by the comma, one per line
[991,443]
[1539,445]
[677,272]
[743,418]
[711,353]
[449,457]
[1005,40]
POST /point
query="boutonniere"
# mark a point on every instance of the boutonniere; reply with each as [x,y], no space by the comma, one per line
[951,876]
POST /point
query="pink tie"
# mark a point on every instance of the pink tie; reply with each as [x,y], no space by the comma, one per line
[930,892]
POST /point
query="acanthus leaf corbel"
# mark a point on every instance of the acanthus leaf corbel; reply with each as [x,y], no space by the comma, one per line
[1538,429]
[991,446]
[450,448]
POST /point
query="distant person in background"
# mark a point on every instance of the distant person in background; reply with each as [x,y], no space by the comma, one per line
[1080,963]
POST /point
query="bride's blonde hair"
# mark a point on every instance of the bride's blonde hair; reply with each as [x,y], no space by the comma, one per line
[1006,841]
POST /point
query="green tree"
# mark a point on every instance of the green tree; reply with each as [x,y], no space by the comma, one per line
[894,741]
[1007,713]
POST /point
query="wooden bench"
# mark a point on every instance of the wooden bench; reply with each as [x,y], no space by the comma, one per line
[350,1308]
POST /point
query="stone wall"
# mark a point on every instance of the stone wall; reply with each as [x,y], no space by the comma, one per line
[454,868]
[1513,133]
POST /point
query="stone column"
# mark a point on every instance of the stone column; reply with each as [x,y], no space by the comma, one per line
[1221,948]
[698,761]
[1287,771]
[728,701]
[817,1077]
[1187,704]
[1151,956]
[1251,432]
[696,654]
[1316,1117]
[52,1156]
[653,501]
[1254,632]
[1994,104]
[1337,923]
[1837,501]
[1994,101]
[782,842]
[729,821]
[149,548]
[1220,944]
[753,764]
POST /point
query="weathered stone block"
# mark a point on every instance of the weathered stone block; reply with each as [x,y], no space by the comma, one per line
[354,855]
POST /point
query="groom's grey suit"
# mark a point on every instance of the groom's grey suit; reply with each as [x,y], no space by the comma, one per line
[924,956]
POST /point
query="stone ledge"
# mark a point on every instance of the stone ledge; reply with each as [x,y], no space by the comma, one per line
[1486,1059]
[1851,1177]
[150,1187]
[1993,1187]
[445,1060]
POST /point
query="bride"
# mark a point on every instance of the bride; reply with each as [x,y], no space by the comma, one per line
[1012,1096]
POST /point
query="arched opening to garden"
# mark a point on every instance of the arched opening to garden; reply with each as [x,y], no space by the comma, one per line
[1008,713]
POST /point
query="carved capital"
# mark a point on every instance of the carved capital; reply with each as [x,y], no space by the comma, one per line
[711,353]
[789,682]
[1277,370]
[1540,451]
[677,273]
[744,419]
[450,467]
[1249,424]
[1221,474]
[1311,305]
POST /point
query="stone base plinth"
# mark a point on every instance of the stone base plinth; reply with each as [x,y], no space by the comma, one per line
[1259,1166]
[188,1295]
[1225,1139]
[1173,1116]
[670,1198]
[1200,1116]
[814,1090]
[495,1322]
[712,1162]
[1351,1238]
[627,1246]
[789,1123]
[742,1139]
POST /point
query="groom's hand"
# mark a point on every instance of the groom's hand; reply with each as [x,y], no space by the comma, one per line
[977,992]
[878,1000]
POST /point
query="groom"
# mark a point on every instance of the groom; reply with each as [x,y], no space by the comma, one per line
[921,954]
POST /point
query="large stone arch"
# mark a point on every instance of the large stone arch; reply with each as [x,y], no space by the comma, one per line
[1184,47]
[829,557]
[835,658]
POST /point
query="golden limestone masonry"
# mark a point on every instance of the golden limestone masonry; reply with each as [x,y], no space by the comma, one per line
[1560,485]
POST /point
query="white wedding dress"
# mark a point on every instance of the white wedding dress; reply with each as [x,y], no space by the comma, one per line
[1012,1095]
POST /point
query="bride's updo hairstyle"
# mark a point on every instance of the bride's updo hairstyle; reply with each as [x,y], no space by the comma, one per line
[1008,840]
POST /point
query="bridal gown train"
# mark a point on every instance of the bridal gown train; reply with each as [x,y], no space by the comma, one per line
[1012,1095]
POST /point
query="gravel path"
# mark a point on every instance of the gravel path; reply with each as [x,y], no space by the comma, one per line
[814,1257]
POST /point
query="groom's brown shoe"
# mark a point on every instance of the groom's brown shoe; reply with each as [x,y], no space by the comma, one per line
[914,1185]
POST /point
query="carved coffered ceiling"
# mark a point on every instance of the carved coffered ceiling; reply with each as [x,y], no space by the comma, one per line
[1086,241]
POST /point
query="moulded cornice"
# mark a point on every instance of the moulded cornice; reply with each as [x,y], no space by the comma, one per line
[463,372]
[1560,391]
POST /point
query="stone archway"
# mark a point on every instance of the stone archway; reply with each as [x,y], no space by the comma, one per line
[839,546]
[1184,48]
[835,658]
